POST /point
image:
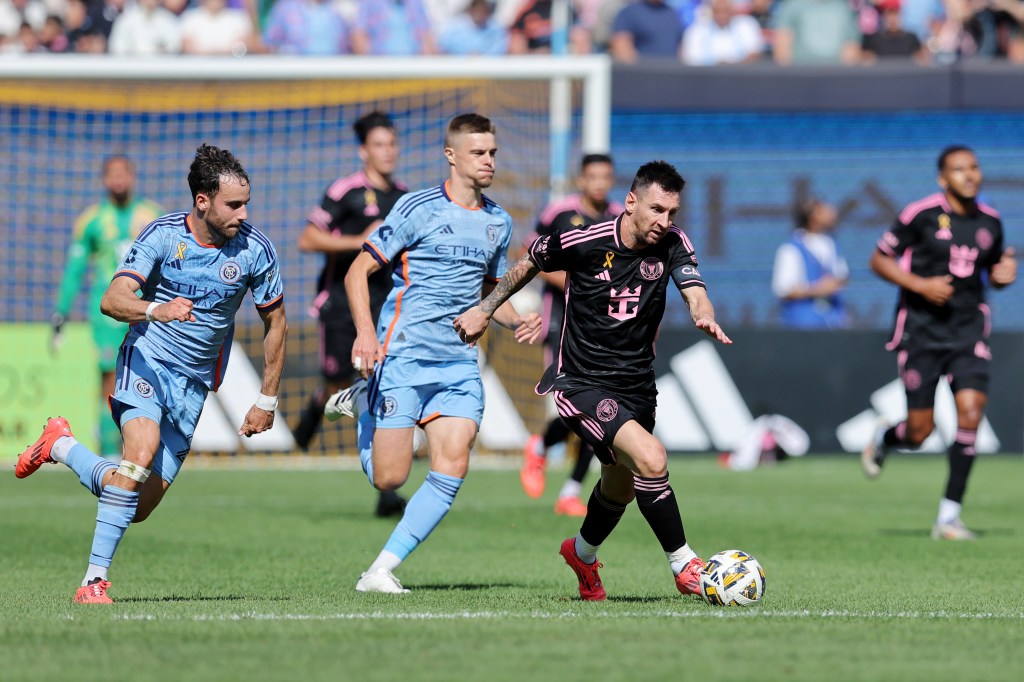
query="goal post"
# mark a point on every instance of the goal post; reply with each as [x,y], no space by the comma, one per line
[288,119]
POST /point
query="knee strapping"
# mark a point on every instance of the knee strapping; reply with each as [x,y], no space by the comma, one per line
[133,471]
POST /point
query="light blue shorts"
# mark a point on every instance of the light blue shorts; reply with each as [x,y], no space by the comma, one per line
[406,392]
[156,392]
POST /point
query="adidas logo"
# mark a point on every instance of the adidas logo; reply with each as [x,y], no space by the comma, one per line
[400,337]
[447,229]
[175,264]
[603,275]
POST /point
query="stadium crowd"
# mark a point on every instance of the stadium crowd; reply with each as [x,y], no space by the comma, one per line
[695,32]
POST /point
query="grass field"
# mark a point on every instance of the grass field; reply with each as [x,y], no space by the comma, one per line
[249,575]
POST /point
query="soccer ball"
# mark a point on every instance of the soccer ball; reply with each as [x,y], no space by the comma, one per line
[732,578]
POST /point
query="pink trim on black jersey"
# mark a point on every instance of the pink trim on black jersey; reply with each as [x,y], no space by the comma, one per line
[986,313]
[931,201]
[682,237]
[551,211]
[586,234]
[985,208]
[321,218]
[342,186]
[901,315]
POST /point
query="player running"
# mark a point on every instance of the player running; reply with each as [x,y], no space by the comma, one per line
[445,244]
[603,378]
[193,269]
[940,252]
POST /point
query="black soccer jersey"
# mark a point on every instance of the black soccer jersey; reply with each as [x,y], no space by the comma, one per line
[349,205]
[929,240]
[615,300]
[564,214]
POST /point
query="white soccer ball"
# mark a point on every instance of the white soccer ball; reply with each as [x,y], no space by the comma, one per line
[732,578]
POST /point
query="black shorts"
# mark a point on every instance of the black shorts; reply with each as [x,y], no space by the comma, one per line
[336,340]
[596,415]
[964,368]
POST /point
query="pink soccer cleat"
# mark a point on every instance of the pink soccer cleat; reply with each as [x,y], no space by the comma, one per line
[688,580]
[591,588]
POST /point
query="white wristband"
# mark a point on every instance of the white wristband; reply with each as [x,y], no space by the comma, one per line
[267,403]
[149,311]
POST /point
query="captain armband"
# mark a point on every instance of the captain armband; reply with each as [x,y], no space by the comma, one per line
[133,471]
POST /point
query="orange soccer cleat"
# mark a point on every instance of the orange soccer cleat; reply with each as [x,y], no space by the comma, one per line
[688,580]
[591,588]
[570,506]
[532,473]
[94,593]
[38,453]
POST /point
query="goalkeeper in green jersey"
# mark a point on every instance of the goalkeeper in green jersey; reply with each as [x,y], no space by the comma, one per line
[102,235]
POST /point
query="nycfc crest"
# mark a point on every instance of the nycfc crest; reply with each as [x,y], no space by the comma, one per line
[230,272]
[143,388]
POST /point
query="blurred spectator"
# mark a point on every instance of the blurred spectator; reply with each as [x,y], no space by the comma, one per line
[763,11]
[809,271]
[146,28]
[601,31]
[474,31]
[309,27]
[102,14]
[52,37]
[14,13]
[1013,11]
[441,12]
[816,32]
[646,29]
[891,41]
[212,28]
[532,30]
[721,36]
[23,42]
[392,27]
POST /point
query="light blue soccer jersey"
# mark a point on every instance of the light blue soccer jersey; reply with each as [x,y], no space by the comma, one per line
[169,261]
[441,253]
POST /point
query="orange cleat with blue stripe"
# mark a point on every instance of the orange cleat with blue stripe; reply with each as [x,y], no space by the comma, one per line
[94,593]
[38,453]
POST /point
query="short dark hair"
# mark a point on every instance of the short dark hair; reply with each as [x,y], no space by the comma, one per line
[364,125]
[209,166]
[467,123]
[803,210]
[659,173]
[949,151]
[595,158]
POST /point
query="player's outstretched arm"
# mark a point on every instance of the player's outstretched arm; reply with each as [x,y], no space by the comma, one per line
[703,313]
[472,324]
[260,417]
[1004,273]
[121,303]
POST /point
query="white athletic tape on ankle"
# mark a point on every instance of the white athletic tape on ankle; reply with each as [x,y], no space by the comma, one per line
[133,471]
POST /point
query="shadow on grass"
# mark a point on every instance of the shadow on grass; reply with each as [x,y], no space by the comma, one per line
[927,532]
[196,598]
[468,587]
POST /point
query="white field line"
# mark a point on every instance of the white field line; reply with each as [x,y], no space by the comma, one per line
[755,613]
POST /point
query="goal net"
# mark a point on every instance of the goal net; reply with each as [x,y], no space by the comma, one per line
[289,121]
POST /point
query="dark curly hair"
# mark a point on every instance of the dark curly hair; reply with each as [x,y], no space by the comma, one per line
[209,166]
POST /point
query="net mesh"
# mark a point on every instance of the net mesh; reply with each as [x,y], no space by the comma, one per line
[294,140]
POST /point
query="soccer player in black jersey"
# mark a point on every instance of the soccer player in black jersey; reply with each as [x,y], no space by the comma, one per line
[587,207]
[352,207]
[603,377]
[940,252]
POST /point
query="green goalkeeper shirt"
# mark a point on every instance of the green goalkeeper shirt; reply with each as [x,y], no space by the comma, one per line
[103,233]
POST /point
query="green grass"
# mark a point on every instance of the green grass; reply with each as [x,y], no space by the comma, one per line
[249,575]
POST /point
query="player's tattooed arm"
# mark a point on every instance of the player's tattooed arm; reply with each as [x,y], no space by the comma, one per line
[471,324]
[521,272]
